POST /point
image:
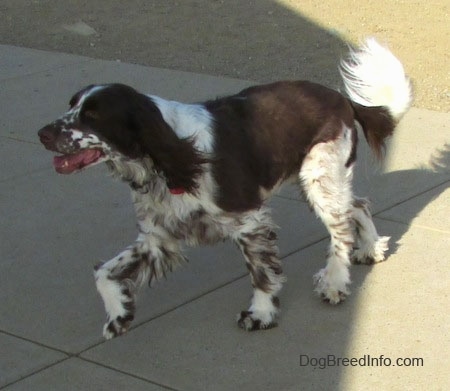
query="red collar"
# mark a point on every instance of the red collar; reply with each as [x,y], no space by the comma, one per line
[177,190]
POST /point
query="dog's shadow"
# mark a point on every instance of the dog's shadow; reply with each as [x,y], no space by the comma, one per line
[434,173]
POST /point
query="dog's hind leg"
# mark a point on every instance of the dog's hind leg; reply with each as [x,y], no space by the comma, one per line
[326,176]
[368,247]
[118,279]
[257,240]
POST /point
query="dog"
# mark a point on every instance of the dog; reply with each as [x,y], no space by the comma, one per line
[201,173]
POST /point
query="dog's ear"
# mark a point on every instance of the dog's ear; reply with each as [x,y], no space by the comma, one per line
[177,158]
[75,98]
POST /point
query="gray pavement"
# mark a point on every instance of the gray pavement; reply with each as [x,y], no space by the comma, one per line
[55,228]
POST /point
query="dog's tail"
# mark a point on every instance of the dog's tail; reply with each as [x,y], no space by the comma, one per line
[379,89]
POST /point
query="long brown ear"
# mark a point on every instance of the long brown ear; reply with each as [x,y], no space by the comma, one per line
[177,158]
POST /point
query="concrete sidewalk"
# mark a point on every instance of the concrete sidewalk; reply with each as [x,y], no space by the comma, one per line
[55,228]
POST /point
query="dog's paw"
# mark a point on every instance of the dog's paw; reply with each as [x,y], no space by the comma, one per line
[249,321]
[333,296]
[119,303]
[369,256]
[332,292]
[117,326]
[358,257]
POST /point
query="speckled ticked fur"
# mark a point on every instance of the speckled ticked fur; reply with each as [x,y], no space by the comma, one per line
[202,173]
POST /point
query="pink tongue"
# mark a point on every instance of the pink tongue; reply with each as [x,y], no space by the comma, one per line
[67,164]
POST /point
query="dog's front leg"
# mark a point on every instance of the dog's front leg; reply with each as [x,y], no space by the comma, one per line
[118,279]
[257,241]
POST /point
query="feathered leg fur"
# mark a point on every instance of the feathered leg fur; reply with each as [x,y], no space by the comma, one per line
[117,280]
[327,184]
[256,238]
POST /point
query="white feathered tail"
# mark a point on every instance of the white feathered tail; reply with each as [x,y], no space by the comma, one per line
[373,76]
[379,89]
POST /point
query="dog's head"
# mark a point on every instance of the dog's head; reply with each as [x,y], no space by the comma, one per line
[114,121]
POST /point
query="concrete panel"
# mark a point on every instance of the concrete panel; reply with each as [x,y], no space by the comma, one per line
[20,358]
[78,375]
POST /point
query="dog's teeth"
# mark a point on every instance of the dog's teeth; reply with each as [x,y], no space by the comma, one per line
[66,164]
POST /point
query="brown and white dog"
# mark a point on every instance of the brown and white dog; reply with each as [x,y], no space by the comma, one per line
[200,173]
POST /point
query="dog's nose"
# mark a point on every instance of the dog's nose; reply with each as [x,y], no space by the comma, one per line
[47,135]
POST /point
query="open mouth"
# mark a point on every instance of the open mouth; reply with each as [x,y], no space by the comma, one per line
[66,164]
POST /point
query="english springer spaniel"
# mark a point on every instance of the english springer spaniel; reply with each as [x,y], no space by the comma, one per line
[200,173]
